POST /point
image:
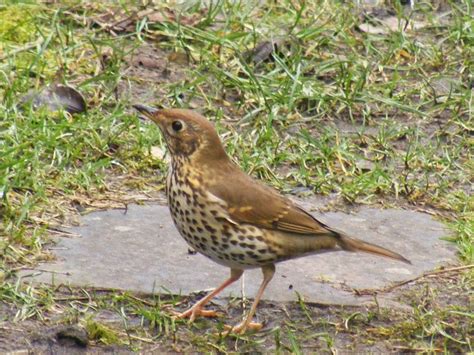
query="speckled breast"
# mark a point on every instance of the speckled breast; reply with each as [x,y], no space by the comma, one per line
[205,225]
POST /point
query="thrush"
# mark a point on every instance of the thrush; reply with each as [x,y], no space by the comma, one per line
[231,218]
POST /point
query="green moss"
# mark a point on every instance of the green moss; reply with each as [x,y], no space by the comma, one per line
[17,23]
[102,333]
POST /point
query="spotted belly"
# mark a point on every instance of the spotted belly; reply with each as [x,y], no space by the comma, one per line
[207,228]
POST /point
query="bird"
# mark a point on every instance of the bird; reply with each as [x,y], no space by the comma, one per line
[232,218]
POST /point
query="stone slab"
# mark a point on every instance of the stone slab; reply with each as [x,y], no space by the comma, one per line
[141,251]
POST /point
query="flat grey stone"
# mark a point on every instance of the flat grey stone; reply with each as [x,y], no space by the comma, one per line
[141,250]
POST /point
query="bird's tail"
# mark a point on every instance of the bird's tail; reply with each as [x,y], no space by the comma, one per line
[351,244]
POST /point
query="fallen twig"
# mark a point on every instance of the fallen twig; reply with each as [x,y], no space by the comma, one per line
[361,292]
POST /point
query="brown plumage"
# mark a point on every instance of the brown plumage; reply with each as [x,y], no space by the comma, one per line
[231,218]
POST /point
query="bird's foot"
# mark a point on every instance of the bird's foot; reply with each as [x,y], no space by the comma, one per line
[195,312]
[243,328]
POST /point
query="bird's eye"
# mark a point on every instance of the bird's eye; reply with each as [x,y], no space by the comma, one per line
[177,126]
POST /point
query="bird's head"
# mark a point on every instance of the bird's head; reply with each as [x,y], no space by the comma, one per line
[187,133]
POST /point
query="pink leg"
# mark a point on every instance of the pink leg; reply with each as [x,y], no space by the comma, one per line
[197,310]
[268,272]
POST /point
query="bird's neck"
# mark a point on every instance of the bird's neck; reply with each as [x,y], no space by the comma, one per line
[189,167]
[180,163]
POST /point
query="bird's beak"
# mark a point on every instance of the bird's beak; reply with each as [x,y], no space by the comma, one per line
[147,112]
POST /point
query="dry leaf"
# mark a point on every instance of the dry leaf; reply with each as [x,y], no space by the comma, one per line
[56,97]
[263,51]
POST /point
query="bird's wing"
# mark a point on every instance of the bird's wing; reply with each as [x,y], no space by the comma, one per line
[251,202]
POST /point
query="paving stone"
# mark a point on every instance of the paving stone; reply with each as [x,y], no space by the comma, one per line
[141,250]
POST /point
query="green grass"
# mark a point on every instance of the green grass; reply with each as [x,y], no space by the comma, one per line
[367,118]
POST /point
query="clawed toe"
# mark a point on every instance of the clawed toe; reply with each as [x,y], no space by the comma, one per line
[243,328]
[195,312]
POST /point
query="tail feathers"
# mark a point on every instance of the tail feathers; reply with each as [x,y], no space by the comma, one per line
[350,244]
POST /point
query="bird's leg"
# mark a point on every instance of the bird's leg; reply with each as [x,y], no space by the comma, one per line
[197,309]
[268,272]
